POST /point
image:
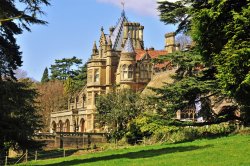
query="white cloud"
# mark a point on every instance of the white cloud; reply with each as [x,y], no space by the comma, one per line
[143,7]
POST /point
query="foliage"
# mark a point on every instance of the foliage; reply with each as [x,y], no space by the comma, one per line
[64,68]
[183,40]
[45,77]
[18,115]
[76,83]
[71,72]
[220,30]
[192,80]
[176,13]
[19,118]
[116,110]
[147,125]
[10,55]
[192,133]
[51,98]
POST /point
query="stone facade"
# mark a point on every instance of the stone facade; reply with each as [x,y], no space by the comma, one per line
[119,62]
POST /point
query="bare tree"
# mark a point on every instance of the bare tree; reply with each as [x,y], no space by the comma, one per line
[183,40]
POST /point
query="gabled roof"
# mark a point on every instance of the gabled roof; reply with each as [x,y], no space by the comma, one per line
[140,54]
[117,34]
[153,53]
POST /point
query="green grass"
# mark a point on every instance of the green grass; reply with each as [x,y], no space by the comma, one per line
[232,150]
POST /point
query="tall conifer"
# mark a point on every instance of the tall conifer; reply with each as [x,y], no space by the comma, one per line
[45,77]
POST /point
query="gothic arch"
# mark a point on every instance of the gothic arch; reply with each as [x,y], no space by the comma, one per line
[60,126]
[53,126]
[82,125]
[67,126]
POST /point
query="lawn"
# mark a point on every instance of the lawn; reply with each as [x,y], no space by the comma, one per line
[231,150]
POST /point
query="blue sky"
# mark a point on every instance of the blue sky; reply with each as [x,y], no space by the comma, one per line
[75,25]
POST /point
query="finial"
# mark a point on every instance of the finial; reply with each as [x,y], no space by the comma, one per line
[123,11]
[102,29]
[110,41]
[94,50]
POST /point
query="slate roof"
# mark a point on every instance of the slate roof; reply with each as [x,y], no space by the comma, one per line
[128,47]
[117,34]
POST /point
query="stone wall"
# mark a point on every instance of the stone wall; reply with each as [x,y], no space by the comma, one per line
[70,140]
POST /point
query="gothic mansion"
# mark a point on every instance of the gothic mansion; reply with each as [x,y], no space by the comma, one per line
[121,61]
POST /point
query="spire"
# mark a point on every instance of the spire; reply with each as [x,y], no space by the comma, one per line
[117,34]
[103,40]
[128,47]
[123,11]
[94,50]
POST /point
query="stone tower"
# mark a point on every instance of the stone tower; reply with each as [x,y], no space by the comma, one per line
[126,66]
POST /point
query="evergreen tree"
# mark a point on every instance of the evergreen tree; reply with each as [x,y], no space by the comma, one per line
[12,22]
[64,68]
[18,117]
[220,30]
[45,77]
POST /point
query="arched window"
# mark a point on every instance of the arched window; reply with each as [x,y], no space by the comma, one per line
[82,125]
[83,100]
[124,72]
[60,126]
[67,126]
[53,126]
[130,71]
[97,76]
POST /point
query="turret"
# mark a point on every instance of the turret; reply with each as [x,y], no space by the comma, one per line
[127,64]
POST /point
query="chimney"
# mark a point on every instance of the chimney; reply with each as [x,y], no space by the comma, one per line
[170,42]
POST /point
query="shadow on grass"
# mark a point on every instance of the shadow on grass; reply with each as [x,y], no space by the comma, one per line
[132,155]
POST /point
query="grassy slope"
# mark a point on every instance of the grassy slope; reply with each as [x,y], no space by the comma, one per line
[233,150]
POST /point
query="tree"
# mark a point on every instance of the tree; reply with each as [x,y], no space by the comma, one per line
[76,83]
[183,40]
[220,30]
[51,98]
[116,110]
[64,68]
[18,115]
[13,20]
[45,77]
[192,80]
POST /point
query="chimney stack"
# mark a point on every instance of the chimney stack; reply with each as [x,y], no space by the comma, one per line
[170,42]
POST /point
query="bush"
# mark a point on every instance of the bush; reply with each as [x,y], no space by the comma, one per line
[190,133]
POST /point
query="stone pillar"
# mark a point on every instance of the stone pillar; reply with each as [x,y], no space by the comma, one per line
[109,69]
